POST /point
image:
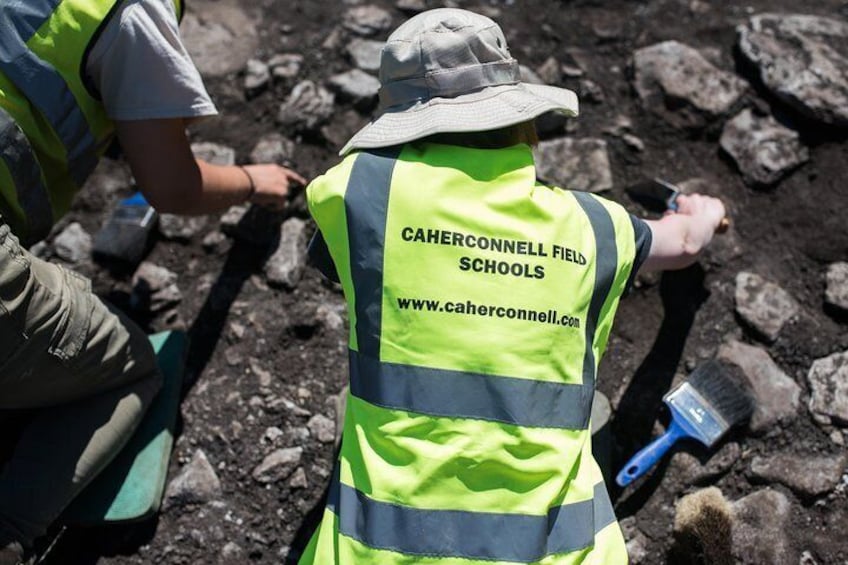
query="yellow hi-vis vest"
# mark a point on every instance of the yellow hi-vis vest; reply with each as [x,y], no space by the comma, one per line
[53,128]
[480,302]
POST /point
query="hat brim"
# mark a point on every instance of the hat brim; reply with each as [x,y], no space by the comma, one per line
[490,108]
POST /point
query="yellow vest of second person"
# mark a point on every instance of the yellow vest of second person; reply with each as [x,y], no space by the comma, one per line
[480,302]
[53,128]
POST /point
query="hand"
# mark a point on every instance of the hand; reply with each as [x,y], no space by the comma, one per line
[272,185]
[704,207]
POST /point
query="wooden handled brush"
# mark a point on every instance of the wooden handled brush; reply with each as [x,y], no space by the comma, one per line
[704,407]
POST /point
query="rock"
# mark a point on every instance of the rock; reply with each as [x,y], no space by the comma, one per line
[285,267]
[73,244]
[221,40]
[307,107]
[760,528]
[637,542]
[802,60]
[591,92]
[691,471]
[214,153]
[322,427]
[285,66]
[231,218]
[272,148]
[257,75]
[550,71]
[411,6]
[577,164]
[154,288]
[764,150]
[366,53]
[828,378]
[836,293]
[197,483]
[676,82]
[180,228]
[265,377]
[214,241]
[232,553]
[357,86]
[808,475]
[763,305]
[777,397]
[278,465]
[367,20]
[272,434]
[298,479]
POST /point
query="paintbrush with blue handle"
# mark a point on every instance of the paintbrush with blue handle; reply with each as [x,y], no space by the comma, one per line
[704,408]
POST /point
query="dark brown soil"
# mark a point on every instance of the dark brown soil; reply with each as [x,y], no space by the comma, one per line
[788,233]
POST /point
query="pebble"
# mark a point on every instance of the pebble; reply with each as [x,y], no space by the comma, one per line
[367,20]
[278,465]
[73,244]
[836,292]
[828,378]
[298,479]
[763,305]
[807,474]
[357,86]
[760,528]
[764,150]
[154,288]
[801,60]
[575,164]
[285,65]
[197,483]
[273,148]
[777,397]
[322,428]
[676,82]
[285,267]
[257,75]
[180,228]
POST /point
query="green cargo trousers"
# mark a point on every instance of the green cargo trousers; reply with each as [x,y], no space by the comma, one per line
[83,372]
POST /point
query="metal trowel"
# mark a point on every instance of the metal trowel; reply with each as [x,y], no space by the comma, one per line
[660,196]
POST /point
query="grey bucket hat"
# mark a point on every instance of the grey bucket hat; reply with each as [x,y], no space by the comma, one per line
[449,70]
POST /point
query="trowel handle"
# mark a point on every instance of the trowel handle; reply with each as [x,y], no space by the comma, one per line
[723,225]
[649,455]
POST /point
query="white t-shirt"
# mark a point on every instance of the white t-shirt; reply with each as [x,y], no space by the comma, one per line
[141,67]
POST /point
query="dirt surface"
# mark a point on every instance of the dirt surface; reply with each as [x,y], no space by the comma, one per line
[788,233]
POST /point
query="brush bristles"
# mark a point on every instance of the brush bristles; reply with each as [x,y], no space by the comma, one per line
[724,393]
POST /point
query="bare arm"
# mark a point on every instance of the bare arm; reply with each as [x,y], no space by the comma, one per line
[678,238]
[174,181]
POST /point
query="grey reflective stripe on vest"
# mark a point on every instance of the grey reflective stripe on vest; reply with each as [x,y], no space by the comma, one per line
[367,203]
[606,266]
[471,535]
[23,166]
[43,85]
[439,392]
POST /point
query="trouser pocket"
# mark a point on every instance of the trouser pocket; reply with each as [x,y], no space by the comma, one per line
[71,332]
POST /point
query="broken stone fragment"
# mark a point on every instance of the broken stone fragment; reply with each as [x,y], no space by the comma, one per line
[214,153]
[220,41]
[676,82]
[802,60]
[257,75]
[285,267]
[763,149]
[763,305]
[73,244]
[278,465]
[828,378]
[808,475]
[197,483]
[367,20]
[285,65]
[307,107]
[836,293]
[760,528]
[357,86]
[575,164]
[272,148]
[180,228]
[154,288]
[322,428]
[366,53]
[777,398]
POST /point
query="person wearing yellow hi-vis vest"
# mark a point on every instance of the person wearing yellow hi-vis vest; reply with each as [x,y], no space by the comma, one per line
[75,75]
[480,302]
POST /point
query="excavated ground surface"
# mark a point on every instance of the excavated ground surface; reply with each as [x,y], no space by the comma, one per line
[787,233]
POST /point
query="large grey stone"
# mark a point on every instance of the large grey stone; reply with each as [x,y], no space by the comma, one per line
[777,397]
[760,529]
[676,82]
[322,428]
[285,267]
[180,228]
[828,379]
[272,148]
[197,483]
[690,471]
[836,292]
[365,53]
[578,164]
[257,75]
[802,60]
[214,153]
[357,86]
[808,475]
[73,244]
[154,288]
[285,65]
[307,107]
[763,149]
[219,36]
[278,465]
[763,305]
[367,20]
